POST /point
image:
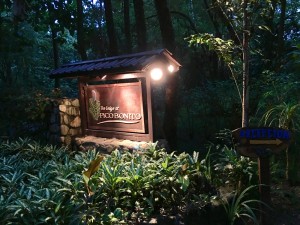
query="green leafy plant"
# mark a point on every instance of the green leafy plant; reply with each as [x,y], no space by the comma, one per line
[225,49]
[87,188]
[235,170]
[207,165]
[240,207]
[113,218]
[93,167]
[286,115]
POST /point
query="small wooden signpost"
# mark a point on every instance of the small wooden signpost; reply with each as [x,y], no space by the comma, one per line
[261,143]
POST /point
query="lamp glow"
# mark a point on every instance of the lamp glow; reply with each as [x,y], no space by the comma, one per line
[128,76]
[156,74]
[171,68]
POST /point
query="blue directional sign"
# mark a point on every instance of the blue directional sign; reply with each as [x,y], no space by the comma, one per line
[258,141]
[264,133]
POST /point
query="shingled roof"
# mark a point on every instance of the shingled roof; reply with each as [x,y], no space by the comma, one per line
[136,62]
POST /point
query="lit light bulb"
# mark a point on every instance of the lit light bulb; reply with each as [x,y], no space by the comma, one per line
[171,68]
[156,74]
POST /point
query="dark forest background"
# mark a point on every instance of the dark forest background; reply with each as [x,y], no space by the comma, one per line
[219,43]
[205,37]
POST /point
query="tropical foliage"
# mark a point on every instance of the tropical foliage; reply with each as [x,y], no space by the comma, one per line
[48,185]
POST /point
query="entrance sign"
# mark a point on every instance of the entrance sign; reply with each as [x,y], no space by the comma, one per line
[116,93]
[117,107]
[259,141]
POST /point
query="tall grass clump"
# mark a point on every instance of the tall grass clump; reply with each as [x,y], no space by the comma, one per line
[241,208]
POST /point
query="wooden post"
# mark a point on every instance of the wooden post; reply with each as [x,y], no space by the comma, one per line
[264,188]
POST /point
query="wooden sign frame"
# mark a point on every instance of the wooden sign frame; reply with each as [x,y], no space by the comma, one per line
[130,120]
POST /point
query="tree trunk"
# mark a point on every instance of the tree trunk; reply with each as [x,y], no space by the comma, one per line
[127,27]
[280,49]
[55,47]
[168,38]
[191,10]
[80,32]
[165,24]
[246,57]
[212,19]
[140,24]
[7,73]
[223,17]
[19,10]
[113,44]
[55,54]
[269,37]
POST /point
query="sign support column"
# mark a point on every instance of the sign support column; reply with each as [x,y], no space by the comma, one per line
[264,188]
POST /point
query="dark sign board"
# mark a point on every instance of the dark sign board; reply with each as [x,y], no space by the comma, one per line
[115,107]
[259,141]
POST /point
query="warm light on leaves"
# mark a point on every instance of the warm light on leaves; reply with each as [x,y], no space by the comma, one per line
[93,167]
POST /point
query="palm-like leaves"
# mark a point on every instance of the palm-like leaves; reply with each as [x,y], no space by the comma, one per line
[284,115]
[241,207]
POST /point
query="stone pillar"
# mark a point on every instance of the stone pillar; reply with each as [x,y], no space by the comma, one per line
[65,122]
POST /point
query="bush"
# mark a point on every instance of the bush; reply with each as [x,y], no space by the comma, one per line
[44,185]
[24,113]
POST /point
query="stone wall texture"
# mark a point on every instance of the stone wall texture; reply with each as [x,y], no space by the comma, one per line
[64,121]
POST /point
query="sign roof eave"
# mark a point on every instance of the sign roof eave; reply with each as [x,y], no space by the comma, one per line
[137,62]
